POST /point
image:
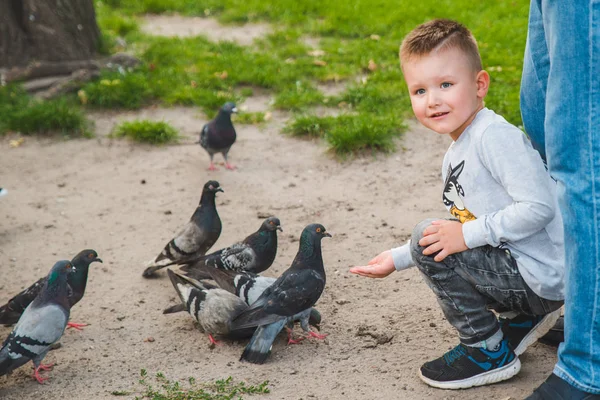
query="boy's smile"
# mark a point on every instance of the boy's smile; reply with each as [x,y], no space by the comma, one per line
[445,92]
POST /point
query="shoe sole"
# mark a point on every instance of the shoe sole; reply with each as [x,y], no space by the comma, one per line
[538,331]
[486,378]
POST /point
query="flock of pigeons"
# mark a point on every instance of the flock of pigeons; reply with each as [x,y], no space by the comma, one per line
[222,290]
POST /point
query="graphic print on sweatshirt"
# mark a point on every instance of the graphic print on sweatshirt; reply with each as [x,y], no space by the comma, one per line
[454,193]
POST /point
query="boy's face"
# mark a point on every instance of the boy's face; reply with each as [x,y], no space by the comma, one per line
[445,92]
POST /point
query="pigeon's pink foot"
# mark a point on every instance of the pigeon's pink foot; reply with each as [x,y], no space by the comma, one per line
[43,367]
[291,339]
[212,167]
[230,167]
[75,325]
[317,335]
[213,341]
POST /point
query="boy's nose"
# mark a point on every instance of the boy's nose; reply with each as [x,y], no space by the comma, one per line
[433,100]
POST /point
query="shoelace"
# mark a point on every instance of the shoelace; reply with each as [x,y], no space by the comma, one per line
[455,354]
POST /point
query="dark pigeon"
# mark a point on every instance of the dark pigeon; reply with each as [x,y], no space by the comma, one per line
[218,135]
[294,292]
[77,281]
[255,253]
[42,324]
[196,237]
[211,306]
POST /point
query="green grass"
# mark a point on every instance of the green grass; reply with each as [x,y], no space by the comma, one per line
[150,132]
[21,113]
[224,389]
[351,36]
[357,43]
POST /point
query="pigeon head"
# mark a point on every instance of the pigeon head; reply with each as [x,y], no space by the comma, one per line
[212,187]
[314,232]
[271,224]
[85,258]
[229,108]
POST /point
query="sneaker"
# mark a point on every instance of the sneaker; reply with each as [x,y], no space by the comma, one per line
[524,330]
[3,192]
[464,367]
[555,388]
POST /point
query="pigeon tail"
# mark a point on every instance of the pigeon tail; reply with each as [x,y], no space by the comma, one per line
[258,349]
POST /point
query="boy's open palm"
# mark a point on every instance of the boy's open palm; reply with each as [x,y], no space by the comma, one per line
[379,267]
[443,236]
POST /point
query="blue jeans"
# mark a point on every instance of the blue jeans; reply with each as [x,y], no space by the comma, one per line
[560,104]
[470,283]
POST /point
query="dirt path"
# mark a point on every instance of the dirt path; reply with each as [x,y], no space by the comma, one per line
[65,196]
[69,195]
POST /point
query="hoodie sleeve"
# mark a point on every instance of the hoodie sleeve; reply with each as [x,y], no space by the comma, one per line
[402,258]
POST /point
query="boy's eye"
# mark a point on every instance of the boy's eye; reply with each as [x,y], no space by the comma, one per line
[446,85]
[420,91]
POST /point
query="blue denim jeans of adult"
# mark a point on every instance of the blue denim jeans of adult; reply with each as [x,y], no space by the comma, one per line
[470,283]
[560,104]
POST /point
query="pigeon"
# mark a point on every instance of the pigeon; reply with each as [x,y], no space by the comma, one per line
[255,253]
[294,292]
[196,237]
[42,324]
[218,135]
[11,311]
[211,306]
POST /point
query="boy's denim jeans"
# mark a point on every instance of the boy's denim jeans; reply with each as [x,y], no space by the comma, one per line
[470,283]
[560,103]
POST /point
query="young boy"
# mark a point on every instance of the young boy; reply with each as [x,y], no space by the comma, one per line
[503,250]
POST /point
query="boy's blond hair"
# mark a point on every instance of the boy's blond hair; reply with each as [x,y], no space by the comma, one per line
[440,34]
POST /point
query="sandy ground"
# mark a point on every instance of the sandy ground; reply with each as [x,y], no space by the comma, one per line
[126,201]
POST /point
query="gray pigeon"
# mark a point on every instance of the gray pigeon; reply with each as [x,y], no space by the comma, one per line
[218,135]
[12,310]
[211,306]
[196,237]
[41,325]
[294,292]
[255,253]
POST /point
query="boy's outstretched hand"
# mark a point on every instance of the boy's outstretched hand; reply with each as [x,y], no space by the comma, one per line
[379,267]
[443,236]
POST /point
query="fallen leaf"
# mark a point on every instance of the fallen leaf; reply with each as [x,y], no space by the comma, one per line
[316,53]
[375,37]
[320,63]
[372,66]
[267,116]
[16,142]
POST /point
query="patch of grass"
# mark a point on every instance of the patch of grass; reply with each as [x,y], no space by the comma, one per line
[147,132]
[355,42]
[20,112]
[350,133]
[250,118]
[223,389]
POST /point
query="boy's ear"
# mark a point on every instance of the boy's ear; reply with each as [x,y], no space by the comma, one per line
[483,83]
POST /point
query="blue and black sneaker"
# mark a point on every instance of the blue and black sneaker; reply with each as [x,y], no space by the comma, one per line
[3,192]
[524,330]
[464,367]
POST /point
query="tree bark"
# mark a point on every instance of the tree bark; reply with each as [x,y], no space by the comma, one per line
[47,30]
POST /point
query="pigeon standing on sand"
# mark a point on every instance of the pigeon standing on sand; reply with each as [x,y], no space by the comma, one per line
[42,324]
[218,135]
[196,237]
[294,292]
[77,281]
[255,253]
[211,306]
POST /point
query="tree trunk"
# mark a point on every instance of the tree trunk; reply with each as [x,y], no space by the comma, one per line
[47,30]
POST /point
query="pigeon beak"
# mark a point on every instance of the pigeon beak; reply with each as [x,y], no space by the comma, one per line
[219,190]
[326,234]
[234,110]
[99,260]
[279,228]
